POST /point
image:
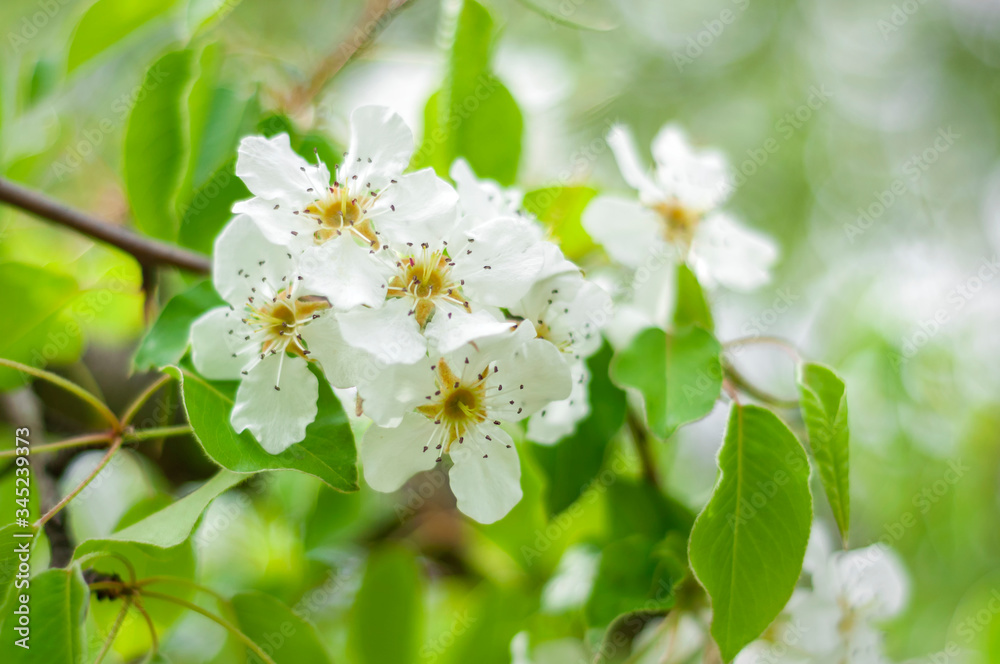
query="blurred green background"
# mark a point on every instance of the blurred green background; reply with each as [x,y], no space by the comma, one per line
[864,136]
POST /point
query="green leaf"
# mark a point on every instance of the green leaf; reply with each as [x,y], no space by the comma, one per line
[106,23]
[58,608]
[616,646]
[748,544]
[40,332]
[679,375]
[692,307]
[635,574]
[637,508]
[574,461]
[560,209]
[824,409]
[156,145]
[387,619]
[167,340]
[474,115]
[277,630]
[327,451]
[173,524]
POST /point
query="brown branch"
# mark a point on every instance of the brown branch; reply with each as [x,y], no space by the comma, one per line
[147,251]
[376,14]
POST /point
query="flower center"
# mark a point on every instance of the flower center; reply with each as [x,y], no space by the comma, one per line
[341,211]
[457,405]
[426,279]
[277,322]
[679,222]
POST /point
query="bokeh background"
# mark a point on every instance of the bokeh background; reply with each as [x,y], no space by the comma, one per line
[864,138]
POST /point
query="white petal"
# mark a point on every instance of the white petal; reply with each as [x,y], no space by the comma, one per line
[629,163]
[486,477]
[532,377]
[573,309]
[278,224]
[500,263]
[346,273]
[627,230]
[344,365]
[727,253]
[872,579]
[244,260]
[272,170]
[483,200]
[554,262]
[698,179]
[449,333]
[418,207]
[559,418]
[218,347]
[389,332]
[395,390]
[380,147]
[392,455]
[277,418]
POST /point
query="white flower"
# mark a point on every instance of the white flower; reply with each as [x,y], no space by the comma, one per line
[836,620]
[444,293]
[483,200]
[677,207]
[456,404]
[569,311]
[336,223]
[264,337]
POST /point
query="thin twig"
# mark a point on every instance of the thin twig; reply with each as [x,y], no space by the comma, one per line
[69,386]
[235,631]
[141,400]
[115,445]
[76,441]
[114,630]
[740,381]
[158,432]
[787,346]
[181,581]
[152,628]
[641,438]
[145,250]
[375,13]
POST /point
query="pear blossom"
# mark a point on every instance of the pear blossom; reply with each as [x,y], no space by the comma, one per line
[836,620]
[264,337]
[678,208]
[336,223]
[444,292]
[482,200]
[454,406]
[568,311]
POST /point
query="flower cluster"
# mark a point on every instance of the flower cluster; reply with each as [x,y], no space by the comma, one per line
[447,310]
[676,218]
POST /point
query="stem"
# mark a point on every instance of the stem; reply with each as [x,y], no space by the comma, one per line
[740,381]
[69,386]
[783,344]
[159,432]
[114,631]
[641,438]
[145,250]
[216,619]
[181,581]
[367,25]
[141,400]
[152,628]
[115,445]
[76,441]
